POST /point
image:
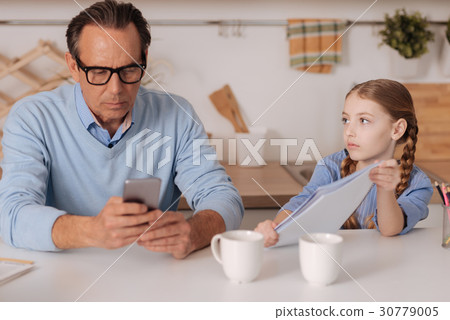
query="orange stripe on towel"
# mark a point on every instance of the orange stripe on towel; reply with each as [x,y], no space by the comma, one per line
[308,40]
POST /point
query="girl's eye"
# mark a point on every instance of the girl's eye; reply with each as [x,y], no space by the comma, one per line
[364,121]
[344,120]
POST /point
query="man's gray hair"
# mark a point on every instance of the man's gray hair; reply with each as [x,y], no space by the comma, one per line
[108,14]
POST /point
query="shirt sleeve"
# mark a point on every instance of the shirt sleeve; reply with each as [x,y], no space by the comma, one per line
[25,221]
[321,176]
[199,176]
[414,201]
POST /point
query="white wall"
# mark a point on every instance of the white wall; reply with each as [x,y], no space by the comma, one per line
[256,65]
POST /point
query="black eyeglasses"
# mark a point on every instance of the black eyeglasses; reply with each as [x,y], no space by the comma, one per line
[128,74]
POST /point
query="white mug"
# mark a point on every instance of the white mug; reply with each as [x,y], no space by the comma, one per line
[240,253]
[320,257]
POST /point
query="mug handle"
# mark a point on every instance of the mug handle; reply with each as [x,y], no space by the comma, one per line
[215,247]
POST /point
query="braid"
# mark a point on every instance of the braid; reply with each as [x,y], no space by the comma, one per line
[407,159]
[348,166]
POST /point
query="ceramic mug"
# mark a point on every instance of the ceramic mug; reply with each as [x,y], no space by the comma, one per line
[320,257]
[240,253]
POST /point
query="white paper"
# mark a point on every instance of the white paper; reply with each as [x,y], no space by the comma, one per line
[327,208]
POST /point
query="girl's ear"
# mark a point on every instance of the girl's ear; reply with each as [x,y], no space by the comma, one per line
[398,129]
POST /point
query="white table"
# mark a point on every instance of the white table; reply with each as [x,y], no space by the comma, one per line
[413,267]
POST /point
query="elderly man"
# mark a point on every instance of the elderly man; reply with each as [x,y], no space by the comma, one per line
[65,152]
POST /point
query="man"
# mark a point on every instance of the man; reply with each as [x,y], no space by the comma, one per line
[66,154]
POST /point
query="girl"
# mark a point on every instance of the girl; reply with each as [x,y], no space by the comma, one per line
[378,115]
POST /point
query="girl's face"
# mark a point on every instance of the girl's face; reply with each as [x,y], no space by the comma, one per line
[369,132]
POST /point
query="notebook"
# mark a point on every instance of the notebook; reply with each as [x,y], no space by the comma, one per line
[327,208]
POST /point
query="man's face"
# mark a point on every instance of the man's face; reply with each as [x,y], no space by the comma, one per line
[107,48]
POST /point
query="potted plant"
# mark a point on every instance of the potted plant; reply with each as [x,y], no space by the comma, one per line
[445,55]
[408,35]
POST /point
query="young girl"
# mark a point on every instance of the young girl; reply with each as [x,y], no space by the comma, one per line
[378,115]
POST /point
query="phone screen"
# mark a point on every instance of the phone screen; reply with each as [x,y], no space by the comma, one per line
[144,191]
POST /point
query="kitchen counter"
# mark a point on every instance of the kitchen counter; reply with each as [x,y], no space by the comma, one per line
[267,186]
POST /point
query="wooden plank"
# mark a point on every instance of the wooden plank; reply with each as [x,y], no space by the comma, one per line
[432,103]
[54,53]
[22,61]
[6,98]
[23,75]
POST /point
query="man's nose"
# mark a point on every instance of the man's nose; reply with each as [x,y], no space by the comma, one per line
[115,85]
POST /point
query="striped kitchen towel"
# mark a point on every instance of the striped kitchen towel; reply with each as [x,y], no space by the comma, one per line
[308,41]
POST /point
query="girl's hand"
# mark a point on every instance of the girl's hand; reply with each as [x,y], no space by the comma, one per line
[267,229]
[387,175]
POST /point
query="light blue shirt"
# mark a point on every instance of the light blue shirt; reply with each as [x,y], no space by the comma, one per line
[53,166]
[413,201]
[89,123]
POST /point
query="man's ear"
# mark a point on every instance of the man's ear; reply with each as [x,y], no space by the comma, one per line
[398,129]
[73,67]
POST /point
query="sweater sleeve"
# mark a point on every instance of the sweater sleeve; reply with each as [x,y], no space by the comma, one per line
[201,179]
[25,220]
[414,200]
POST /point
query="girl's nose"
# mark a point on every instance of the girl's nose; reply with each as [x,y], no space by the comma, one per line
[349,130]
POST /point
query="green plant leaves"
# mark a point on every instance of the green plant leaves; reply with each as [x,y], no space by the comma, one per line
[408,34]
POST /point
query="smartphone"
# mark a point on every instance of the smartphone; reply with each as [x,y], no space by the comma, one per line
[144,191]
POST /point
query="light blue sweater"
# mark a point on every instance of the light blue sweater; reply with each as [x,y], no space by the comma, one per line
[52,165]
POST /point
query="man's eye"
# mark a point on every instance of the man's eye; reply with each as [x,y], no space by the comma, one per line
[99,72]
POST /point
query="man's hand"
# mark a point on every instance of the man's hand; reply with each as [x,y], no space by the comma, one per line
[168,232]
[117,225]
[171,232]
[121,223]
